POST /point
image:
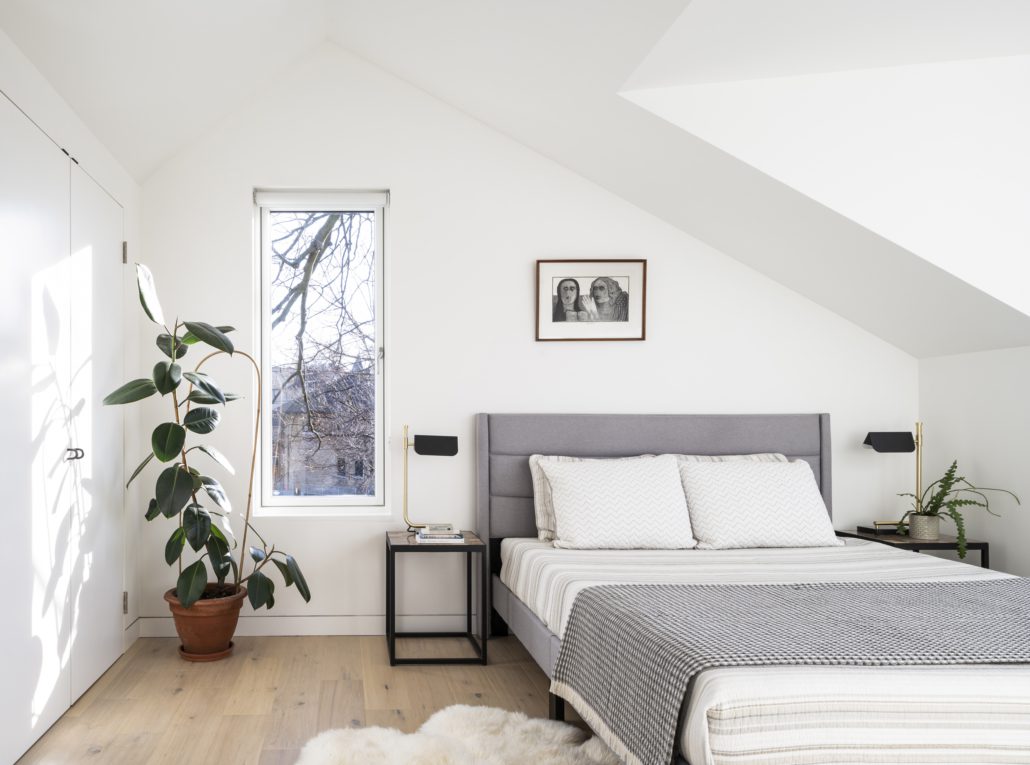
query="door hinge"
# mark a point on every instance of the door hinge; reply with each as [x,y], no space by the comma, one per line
[125,252]
[125,601]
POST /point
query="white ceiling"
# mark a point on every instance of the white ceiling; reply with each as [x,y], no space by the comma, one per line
[918,135]
[148,76]
[725,40]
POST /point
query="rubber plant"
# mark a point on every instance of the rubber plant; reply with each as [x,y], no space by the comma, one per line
[194,398]
[946,496]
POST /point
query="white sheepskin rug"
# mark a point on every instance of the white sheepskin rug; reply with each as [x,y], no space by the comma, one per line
[461,735]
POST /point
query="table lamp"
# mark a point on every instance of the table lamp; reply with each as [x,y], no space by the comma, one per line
[903,441]
[433,446]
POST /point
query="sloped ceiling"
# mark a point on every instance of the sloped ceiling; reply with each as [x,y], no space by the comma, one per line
[920,138]
[148,76]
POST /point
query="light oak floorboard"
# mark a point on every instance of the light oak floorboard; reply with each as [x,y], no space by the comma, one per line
[259,706]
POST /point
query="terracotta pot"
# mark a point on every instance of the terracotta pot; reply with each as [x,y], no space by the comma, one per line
[206,628]
[926,527]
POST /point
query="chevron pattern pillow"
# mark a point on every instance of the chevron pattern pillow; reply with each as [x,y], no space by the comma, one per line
[543,508]
[756,504]
[619,504]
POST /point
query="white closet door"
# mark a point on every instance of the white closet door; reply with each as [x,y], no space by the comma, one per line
[34,327]
[95,563]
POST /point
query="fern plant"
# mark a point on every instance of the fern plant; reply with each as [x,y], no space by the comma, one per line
[945,497]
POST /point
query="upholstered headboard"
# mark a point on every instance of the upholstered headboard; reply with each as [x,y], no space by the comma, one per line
[504,490]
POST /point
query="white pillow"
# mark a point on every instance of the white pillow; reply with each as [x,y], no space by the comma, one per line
[756,504]
[544,510]
[543,507]
[619,504]
[763,457]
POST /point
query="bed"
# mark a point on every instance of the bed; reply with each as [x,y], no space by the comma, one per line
[763,715]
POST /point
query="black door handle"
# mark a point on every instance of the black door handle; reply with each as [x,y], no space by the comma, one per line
[75,454]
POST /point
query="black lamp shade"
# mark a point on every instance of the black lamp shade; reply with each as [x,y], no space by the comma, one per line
[891,441]
[436,446]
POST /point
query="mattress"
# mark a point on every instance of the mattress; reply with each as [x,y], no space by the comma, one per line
[798,715]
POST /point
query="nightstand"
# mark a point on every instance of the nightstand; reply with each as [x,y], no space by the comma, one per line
[398,542]
[918,545]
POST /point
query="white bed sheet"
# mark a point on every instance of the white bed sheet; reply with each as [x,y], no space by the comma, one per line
[797,715]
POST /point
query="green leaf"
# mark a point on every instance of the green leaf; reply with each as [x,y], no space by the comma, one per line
[197,523]
[190,339]
[216,492]
[205,384]
[259,590]
[217,456]
[139,469]
[148,294]
[203,419]
[173,549]
[174,487]
[167,442]
[284,570]
[298,578]
[165,343]
[167,376]
[218,554]
[213,336]
[257,554]
[220,528]
[131,391]
[153,510]
[198,397]
[191,584]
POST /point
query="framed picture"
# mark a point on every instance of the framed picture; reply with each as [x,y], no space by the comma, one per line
[591,299]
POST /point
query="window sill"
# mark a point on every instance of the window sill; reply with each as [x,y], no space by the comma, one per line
[377,512]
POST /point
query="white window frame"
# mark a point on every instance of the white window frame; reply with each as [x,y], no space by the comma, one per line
[267,202]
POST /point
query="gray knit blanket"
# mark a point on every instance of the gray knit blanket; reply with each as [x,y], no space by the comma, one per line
[630,651]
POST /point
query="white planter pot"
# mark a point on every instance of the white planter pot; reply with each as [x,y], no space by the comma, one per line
[924,527]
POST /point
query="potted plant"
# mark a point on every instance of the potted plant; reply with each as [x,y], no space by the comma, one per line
[205,612]
[945,497]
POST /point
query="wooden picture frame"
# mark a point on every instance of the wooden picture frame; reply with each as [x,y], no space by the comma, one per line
[603,299]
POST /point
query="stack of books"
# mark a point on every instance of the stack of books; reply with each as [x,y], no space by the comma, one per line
[439,534]
[884,527]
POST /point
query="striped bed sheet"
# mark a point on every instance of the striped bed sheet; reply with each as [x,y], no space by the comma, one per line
[799,715]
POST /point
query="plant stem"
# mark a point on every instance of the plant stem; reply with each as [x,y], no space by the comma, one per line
[253,459]
[175,408]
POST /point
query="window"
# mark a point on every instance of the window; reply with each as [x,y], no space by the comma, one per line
[322,349]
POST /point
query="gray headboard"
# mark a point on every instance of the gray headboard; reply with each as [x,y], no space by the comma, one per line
[504,490]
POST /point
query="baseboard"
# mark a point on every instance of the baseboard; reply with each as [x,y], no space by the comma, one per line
[130,635]
[375,624]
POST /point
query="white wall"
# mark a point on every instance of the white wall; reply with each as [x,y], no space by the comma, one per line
[976,410]
[24,85]
[471,211]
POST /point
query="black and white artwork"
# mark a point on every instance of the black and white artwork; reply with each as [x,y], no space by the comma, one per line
[604,298]
[590,299]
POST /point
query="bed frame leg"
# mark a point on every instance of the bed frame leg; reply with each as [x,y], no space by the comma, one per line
[555,707]
[498,627]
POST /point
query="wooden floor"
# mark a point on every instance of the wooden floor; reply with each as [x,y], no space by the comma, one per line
[273,694]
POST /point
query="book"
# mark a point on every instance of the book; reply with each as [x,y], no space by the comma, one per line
[444,534]
[882,527]
[438,528]
[440,539]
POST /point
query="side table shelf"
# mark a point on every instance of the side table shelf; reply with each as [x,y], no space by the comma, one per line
[918,545]
[398,542]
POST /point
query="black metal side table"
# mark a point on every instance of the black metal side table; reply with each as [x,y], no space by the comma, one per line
[918,545]
[404,542]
